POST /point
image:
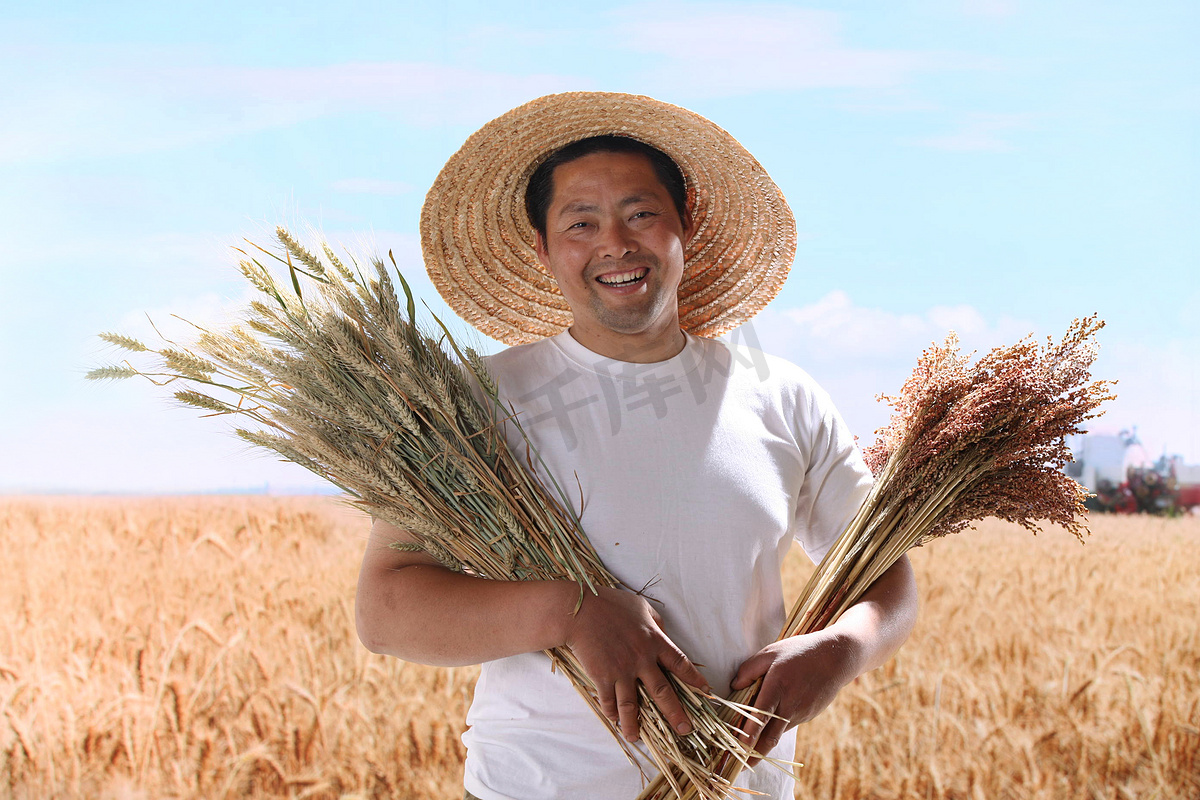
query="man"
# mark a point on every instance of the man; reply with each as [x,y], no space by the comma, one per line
[614,258]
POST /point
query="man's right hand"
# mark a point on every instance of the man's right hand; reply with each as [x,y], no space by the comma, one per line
[409,606]
[618,638]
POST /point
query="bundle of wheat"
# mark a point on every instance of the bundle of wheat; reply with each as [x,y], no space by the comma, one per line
[965,442]
[344,382]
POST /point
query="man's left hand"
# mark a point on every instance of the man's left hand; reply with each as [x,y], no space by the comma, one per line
[801,677]
[802,674]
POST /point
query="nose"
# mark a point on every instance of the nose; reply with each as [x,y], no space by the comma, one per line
[616,241]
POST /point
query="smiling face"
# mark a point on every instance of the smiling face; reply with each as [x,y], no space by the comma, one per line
[614,242]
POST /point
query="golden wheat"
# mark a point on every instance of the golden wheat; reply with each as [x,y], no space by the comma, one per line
[205,647]
[1039,669]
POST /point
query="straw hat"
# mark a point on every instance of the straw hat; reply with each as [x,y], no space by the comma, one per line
[478,242]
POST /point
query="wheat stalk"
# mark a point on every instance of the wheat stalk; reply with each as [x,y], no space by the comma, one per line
[338,377]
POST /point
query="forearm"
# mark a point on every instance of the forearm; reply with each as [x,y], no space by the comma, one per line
[430,615]
[875,627]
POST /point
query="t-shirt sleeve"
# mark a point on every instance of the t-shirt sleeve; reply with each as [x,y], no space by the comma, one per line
[836,480]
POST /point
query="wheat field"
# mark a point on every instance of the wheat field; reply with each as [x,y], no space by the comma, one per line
[204,647]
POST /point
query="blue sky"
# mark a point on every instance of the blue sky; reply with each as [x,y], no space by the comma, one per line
[992,166]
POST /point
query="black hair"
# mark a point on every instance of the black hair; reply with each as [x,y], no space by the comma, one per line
[540,190]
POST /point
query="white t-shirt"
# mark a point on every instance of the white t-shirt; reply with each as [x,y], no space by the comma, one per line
[696,474]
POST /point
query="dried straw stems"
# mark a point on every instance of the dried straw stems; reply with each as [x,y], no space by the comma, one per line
[343,382]
[965,442]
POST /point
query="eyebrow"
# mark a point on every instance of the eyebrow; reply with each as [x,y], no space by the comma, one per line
[577,207]
[580,206]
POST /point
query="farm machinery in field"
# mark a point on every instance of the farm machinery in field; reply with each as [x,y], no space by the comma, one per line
[1122,480]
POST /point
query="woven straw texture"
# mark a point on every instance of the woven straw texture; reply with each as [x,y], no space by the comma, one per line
[478,243]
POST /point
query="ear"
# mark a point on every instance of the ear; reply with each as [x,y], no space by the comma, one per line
[689,227]
[543,253]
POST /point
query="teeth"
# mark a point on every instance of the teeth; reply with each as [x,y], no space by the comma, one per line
[624,277]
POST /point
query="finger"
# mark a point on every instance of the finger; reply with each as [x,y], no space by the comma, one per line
[752,669]
[663,694]
[769,737]
[674,661]
[627,708]
[606,697]
[756,726]
[751,731]
[750,728]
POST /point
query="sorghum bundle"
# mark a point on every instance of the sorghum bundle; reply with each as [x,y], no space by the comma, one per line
[965,442]
[343,382]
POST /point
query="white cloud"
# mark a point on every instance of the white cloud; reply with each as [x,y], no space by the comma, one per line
[176,320]
[722,49]
[170,254]
[857,353]
[980,133]
[107,109]
[129,436]
[834,329]
[134,438]
[103,102]
[420,93]
[1158,392]
[174,314]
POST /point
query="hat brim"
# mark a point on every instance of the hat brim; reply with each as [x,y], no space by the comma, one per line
[479,246]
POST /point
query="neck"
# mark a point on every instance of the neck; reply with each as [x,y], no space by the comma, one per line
[643,347]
